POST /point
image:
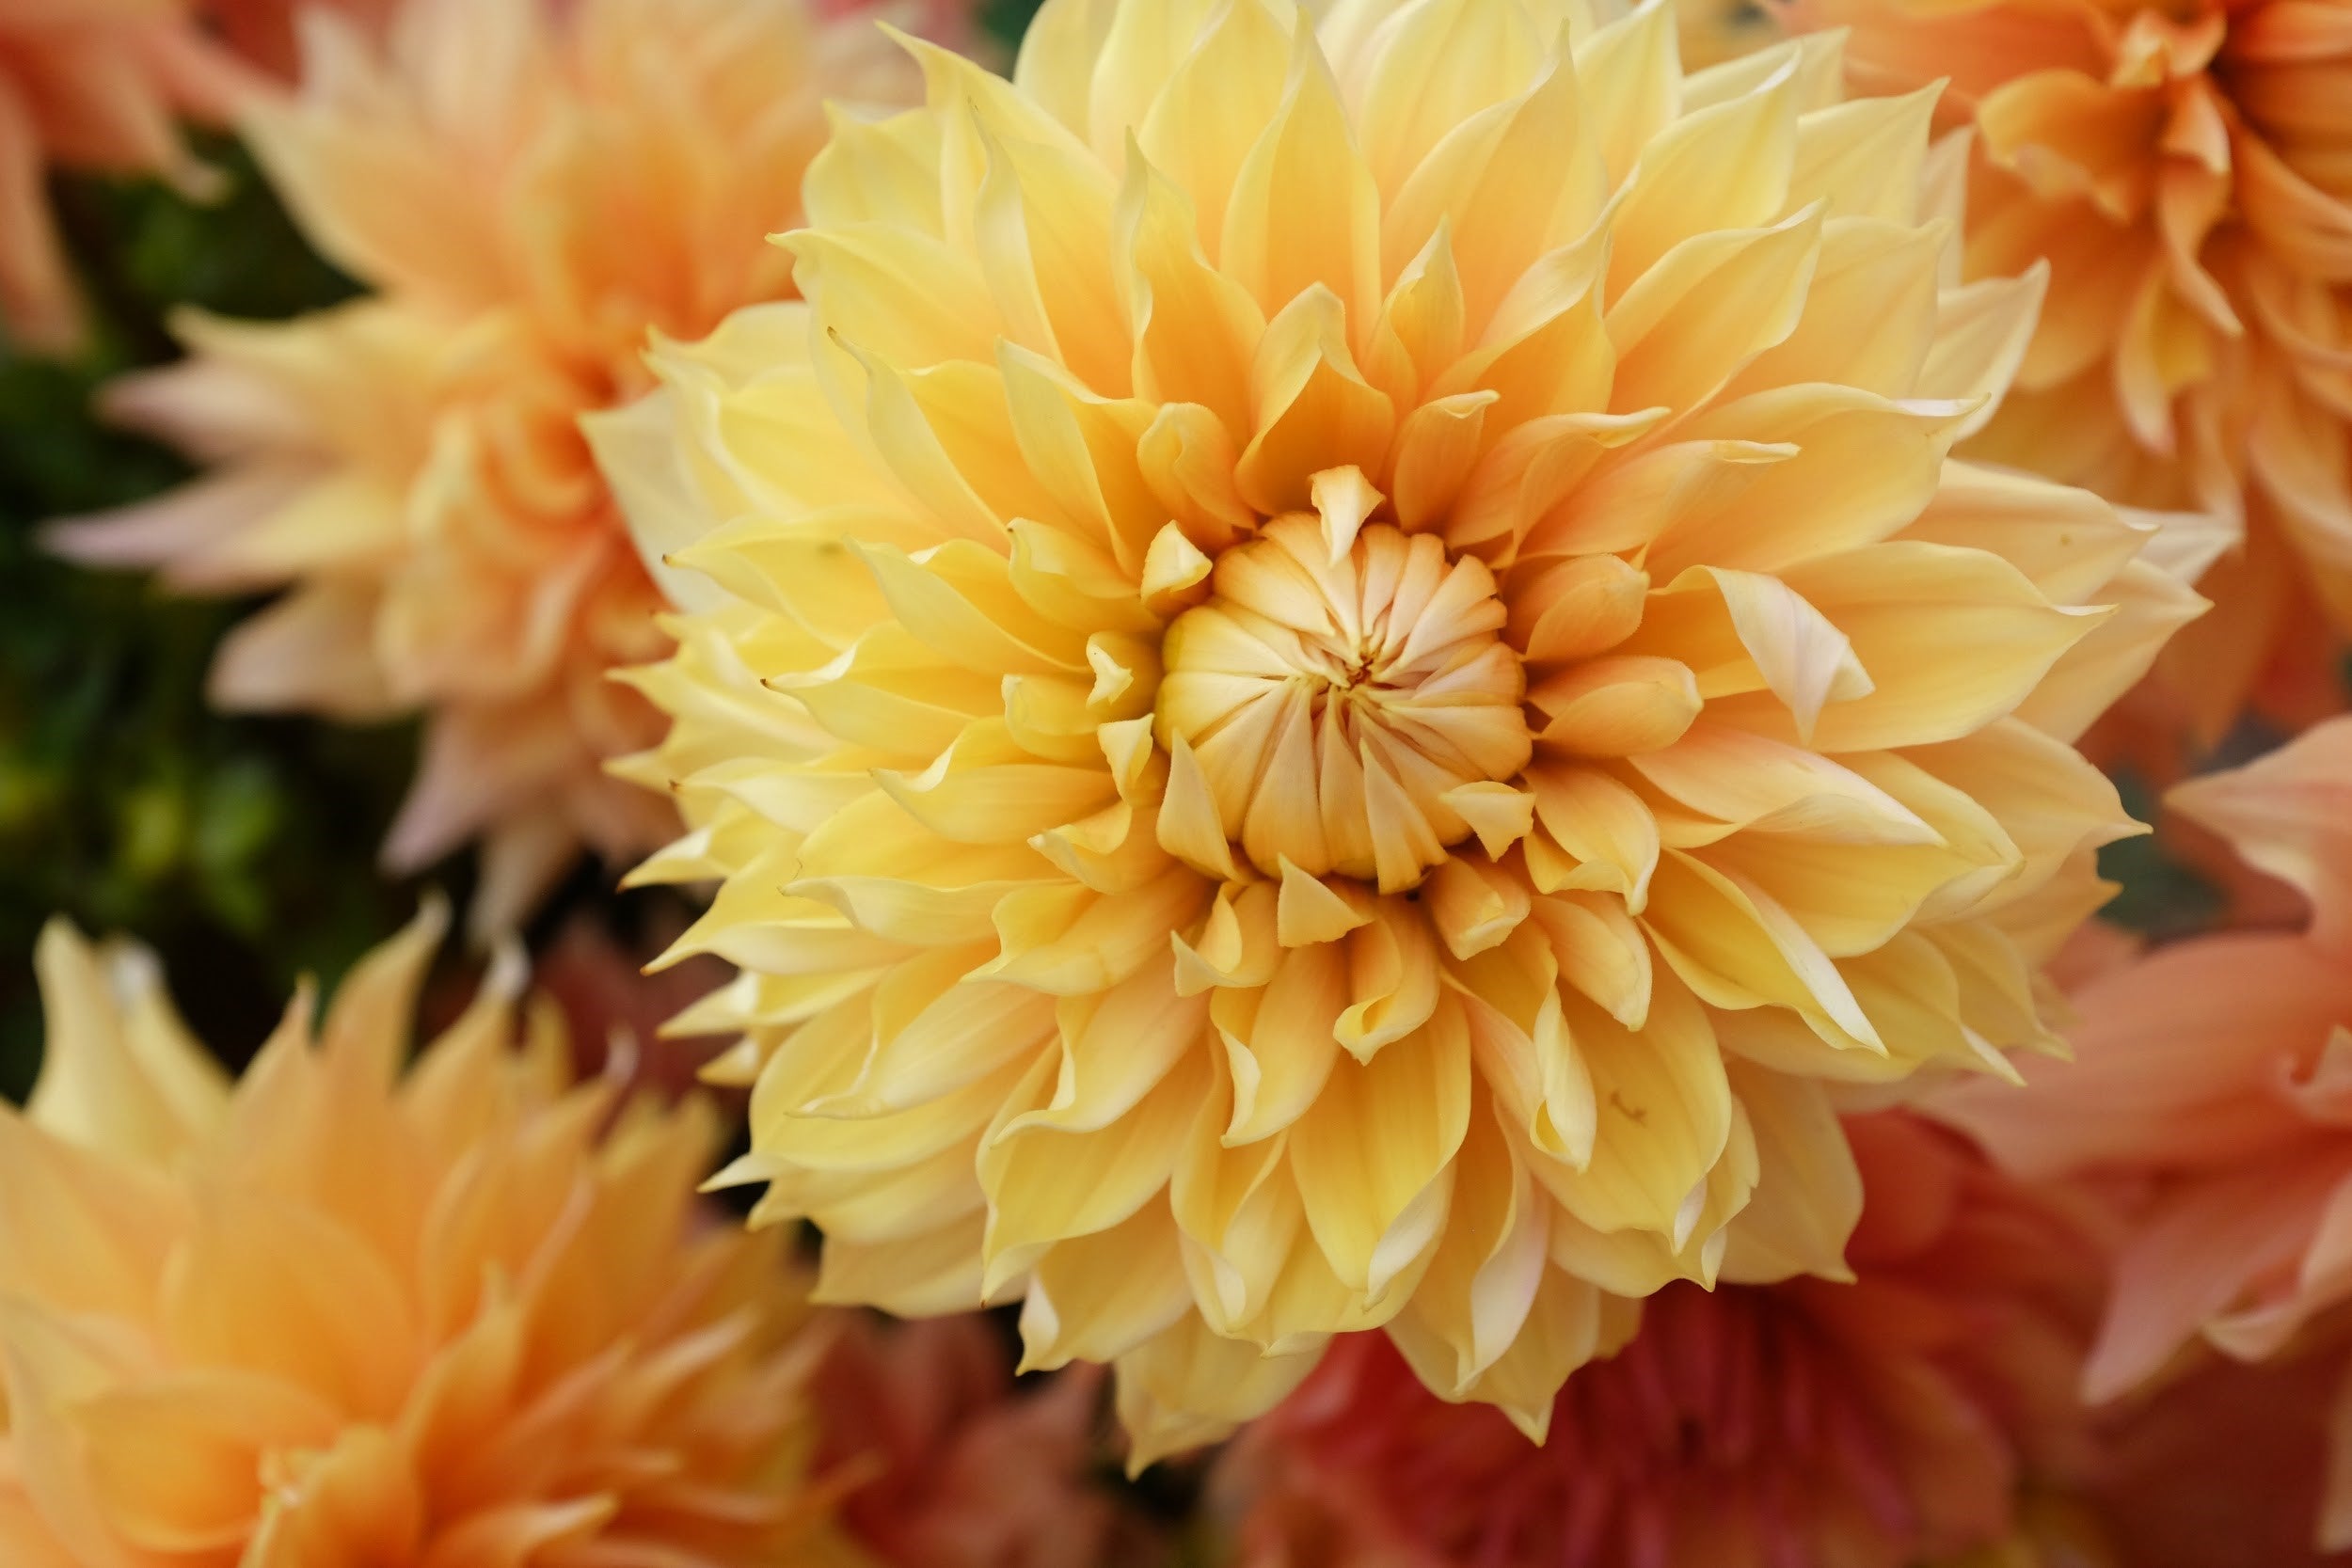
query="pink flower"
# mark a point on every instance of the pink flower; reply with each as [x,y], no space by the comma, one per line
[2216,1078]
[1886,1420]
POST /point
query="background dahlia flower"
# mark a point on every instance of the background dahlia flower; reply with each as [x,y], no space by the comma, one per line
[1890,1420]
[345,1314]
[2221,1467]
[265,31]
[966,1472]
[528,189]
[1334,670]
[2214,1076]
[93,85]
[2186,169]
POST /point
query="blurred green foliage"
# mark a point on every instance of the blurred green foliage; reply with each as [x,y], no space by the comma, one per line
[244,848]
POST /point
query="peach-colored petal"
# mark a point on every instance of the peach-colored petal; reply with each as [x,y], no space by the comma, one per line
[2178,1060]
[2290,814]
[2199,1252]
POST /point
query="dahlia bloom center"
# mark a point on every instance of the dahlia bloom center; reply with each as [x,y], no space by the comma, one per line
[1339,687]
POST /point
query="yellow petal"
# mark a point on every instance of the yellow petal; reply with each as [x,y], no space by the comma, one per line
[1723,167]
[1313,409]
[1195,330]
[1282,1042]
[1044,1184]
[1304,214]
[1098,1297]
[1621,705]
[1189,1386]
[1376,1205]
[1666,1110]
[119,1071]
[1690,324]
[1808,1190]
[1736,948]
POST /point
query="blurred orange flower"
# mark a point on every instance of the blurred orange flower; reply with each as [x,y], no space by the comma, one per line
[340,1314]
[529,189]
[2186,170]
[1890,1420]
[2215,1076]
[97,85]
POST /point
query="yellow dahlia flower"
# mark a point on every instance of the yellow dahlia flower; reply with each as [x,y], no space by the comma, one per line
[2185,169]
[1336,668]
[527,189]
[344,1315]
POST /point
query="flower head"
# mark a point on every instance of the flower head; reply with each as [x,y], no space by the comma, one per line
[2182,170]
[2212,1075]
[340,1314]
[93,85]
[1333,668]
[528,189]
[1887,1420]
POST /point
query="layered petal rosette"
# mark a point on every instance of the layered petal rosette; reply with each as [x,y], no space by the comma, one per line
[2212,1081]
[1336,668]
[465,1315]
[92,85]
[528,189]
[2187,172]
[1918,1411]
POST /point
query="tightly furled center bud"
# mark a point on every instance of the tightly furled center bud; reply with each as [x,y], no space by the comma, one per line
[1341,703]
